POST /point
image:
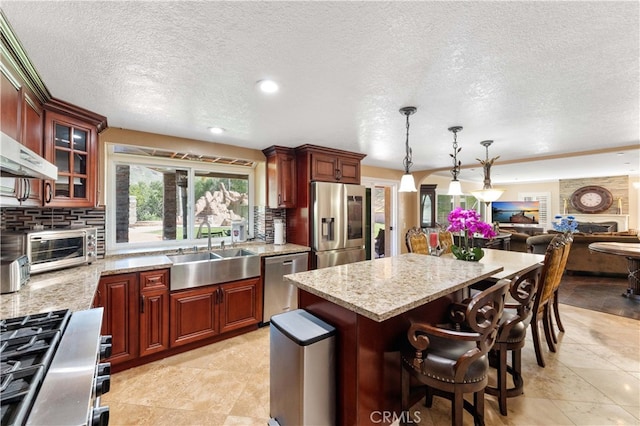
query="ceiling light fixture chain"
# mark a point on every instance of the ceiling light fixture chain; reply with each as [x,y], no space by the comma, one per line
[455,171]
[407,162]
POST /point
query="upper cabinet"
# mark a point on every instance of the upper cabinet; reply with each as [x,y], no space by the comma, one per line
[64,134]
[71,143]
[281,177]
[21,118]
[331,165]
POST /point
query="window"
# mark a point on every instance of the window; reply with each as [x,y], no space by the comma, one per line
[445,203]
[161,202]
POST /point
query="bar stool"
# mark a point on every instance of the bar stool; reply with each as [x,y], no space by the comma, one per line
[452,360]
[511,335]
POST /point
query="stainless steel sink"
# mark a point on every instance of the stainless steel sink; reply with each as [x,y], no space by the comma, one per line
[199,269]
[232,252]
[192,257]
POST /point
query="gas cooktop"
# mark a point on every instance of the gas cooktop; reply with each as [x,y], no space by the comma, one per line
[30,348]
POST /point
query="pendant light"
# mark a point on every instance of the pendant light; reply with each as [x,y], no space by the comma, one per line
[407,183]
[487,194]
[454,186]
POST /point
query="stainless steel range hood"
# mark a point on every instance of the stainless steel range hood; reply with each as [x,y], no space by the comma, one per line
[16,160]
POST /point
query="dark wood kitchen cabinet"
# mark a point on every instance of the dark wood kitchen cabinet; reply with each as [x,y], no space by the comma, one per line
[71,143]
[205,312]
[194,315]
[316,163]
[27,114]
[118,295]
[136,313]
[330,165]
[21,118]
[281,177]
[240,304]
[148,322]
[154,311]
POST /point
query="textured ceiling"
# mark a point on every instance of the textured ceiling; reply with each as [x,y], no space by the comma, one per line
[539,78]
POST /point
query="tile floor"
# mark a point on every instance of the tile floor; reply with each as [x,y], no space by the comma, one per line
[593,379]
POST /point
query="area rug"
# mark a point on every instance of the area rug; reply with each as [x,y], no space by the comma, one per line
[598,293]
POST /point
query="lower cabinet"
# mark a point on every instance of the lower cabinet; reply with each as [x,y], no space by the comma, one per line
[118,295]
[144,317]
[207,311]
[194,315]
[154,311]
[240,304]
[136,313]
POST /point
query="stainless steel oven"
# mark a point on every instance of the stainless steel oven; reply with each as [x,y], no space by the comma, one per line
[52,248]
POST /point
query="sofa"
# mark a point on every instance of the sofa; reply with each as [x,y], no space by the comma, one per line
[583,260]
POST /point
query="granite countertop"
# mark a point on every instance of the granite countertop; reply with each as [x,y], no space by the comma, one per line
[383,288]
[74,288]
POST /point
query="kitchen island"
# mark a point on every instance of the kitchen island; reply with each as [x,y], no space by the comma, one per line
[371,304]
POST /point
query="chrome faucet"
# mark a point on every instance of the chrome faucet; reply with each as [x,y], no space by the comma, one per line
[199,235]
[222,245]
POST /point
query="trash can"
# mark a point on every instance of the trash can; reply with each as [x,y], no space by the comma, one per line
[302,370]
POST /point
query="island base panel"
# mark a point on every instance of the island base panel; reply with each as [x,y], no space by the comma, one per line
[368,364]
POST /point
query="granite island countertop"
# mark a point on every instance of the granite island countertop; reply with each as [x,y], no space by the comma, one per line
[382,288]
[74,288]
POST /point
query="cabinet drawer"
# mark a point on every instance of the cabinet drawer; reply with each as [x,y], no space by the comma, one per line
[154,280]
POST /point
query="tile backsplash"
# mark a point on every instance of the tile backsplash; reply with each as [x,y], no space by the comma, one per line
[20,219]
[263,217]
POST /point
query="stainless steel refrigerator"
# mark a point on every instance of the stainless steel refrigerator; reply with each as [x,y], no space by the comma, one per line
[338,220]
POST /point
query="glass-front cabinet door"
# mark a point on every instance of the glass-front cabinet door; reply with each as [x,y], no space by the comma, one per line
[427,206]
[71,145]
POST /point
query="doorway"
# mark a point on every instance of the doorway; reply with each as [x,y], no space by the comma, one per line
[383,218]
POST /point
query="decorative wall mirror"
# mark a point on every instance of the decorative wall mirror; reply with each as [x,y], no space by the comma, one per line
[428,206]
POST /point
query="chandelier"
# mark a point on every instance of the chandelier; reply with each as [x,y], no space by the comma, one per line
[487,194]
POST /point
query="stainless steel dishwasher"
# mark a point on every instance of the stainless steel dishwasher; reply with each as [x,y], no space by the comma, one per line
[279,296]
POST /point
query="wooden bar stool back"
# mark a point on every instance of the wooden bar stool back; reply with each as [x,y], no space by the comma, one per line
[511,335]
[450,361]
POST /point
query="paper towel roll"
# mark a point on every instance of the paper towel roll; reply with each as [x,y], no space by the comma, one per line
[278,232]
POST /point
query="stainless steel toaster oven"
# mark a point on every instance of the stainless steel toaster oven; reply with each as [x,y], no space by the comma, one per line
[52,249]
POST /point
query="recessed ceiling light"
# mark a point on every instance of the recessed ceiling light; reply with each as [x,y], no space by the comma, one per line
[216,130]
[268,86]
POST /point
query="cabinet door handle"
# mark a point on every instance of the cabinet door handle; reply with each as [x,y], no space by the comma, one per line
[24,190]
[28,191]
[18,188]
[279,199]
[221,293]
[338,174]
[142,304]
[48,192]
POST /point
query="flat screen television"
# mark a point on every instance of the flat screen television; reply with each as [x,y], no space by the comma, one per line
[523,212]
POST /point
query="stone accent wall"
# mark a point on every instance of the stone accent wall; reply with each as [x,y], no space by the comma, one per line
[122,203]
[617,185]
[169,224]
[263,228]
[20,219]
